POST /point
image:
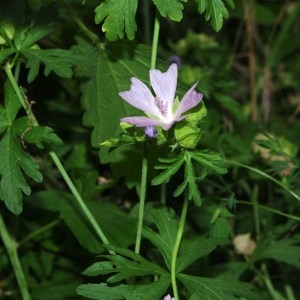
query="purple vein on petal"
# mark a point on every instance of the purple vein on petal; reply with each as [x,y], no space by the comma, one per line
[164,84]
[140,97]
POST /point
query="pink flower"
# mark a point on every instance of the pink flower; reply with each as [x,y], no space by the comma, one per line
[159,109]
[168,297]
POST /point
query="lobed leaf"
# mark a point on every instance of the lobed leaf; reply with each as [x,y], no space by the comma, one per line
[39,135]
[215,10]
[118,16]
[59,61]
[14,162]
[149,291]
[164,235]
[211,161]
[209,288]
[286,250]
[170,170]
[195,248]
[170,8]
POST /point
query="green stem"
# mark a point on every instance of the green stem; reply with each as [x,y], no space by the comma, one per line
[56,160]
[38,232]
[255,211]
[266,176]
[273,292]
[77,196]
[11,248]
[177,245]
[142,202]
[270,210]
[72,14]
[155,42]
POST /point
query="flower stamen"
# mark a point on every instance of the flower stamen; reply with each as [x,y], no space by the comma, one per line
[163,108]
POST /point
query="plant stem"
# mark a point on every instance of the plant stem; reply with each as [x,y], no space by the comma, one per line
[270,210]
[11,248]
[72,14]
[255,211]
[266,176]
[155,42]
[56,160]
[177,245]
[142,201]
[145,160]
[77,196]
[38,232]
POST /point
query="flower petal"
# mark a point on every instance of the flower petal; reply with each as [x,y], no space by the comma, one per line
[189,100]
[164,84]
[140,97]
[141,121]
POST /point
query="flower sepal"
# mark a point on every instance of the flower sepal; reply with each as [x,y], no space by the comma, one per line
[132,135]
[187,132]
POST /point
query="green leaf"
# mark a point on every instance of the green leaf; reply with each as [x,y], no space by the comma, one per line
[40,26]
[164,235]
[4,53]
[59,61]
[149,291]
[118,228]
[286,250]
[118,16]
[209,288]
[14,162]
[210,160]
[12,106]
[126,264]
[12,103]
[170,170]
[189,176]
[195,248]
[215,10]
[39,135]
[170,8]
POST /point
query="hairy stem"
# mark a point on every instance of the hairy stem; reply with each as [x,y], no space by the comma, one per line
[177,245]
[11,248]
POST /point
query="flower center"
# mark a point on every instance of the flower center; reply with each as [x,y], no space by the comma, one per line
[162,107]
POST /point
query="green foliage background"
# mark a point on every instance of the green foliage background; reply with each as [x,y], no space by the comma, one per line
[63,64]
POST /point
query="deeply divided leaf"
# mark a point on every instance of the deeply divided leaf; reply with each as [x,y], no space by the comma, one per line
[210,288]
[59,61]
[170,8]
[14,164]
[215,10]
[119,17]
